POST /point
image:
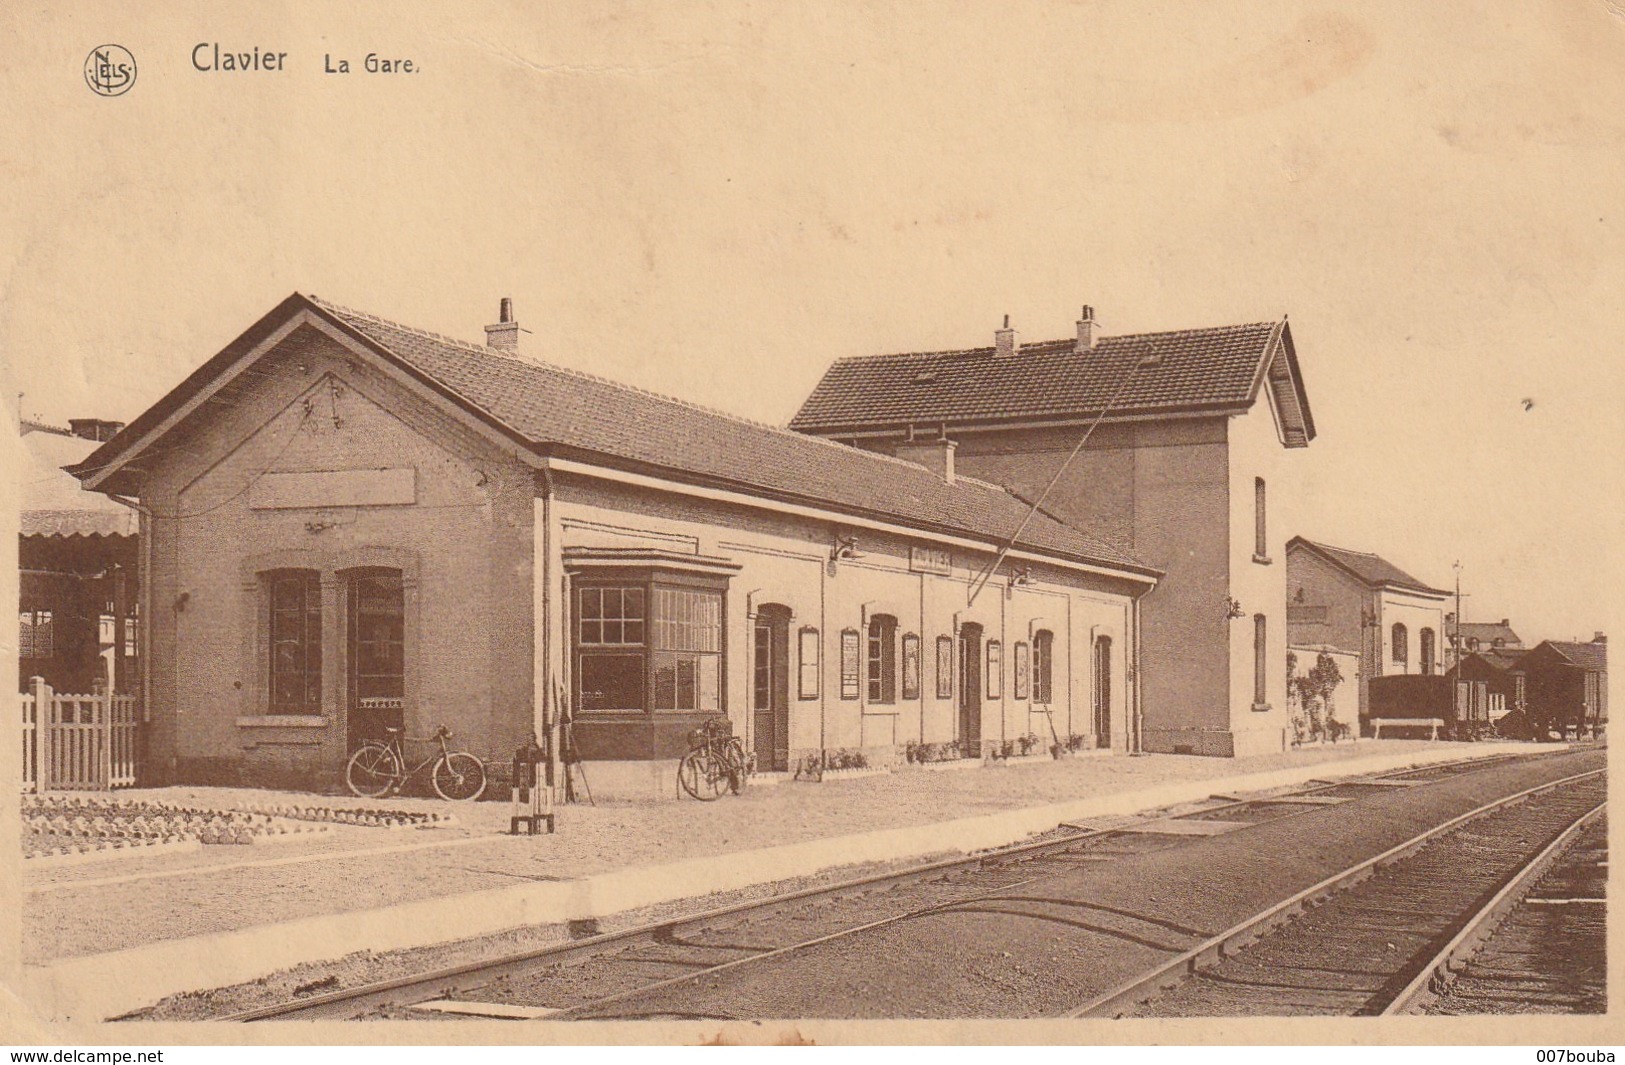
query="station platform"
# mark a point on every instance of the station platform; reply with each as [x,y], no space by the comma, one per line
[105,937]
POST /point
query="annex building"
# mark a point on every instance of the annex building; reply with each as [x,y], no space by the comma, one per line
[1184,433]
[350,523]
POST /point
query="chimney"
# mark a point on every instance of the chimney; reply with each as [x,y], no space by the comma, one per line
[935,455]
[1086,330]
[504,336]
[1600,638]
[1004,341]
[94,428]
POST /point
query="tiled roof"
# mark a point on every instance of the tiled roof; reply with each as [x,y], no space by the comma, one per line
[1195,369]
[553,410]
[1372,569]
[1487,632]
[51,501]
[1592,656]
[551,405]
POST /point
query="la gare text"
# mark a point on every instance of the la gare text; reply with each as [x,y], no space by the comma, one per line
[211,57]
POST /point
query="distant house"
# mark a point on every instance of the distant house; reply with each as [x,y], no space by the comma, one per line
[1358,601]
[1567,686]
[1488,636]
[1490,682]
[1166,445]
[77,556]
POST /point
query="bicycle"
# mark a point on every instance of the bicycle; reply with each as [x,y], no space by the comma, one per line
[378,768]
[715,762]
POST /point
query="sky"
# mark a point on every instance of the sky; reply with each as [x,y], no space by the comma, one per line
[715,200]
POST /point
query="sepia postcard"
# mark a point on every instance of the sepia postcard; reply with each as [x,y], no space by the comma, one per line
[713,523]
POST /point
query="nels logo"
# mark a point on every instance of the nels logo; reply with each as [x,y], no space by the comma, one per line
[110,70]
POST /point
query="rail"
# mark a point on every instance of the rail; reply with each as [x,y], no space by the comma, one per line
[1483,923]
[1217,947]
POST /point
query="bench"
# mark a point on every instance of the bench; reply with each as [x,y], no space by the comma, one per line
[1434,723]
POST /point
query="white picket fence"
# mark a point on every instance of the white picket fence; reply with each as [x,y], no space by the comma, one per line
[77,742]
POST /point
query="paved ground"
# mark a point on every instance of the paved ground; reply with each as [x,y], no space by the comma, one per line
[129,901]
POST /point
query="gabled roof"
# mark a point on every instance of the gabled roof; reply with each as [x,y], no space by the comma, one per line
[1372,570]
[51,501]
[1218,370]
[549,410]
[1487,632]
[1592,656]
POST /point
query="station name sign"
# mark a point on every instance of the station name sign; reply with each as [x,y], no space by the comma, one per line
[930,560]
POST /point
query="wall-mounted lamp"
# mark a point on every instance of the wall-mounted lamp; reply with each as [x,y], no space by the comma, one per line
[1233,608]
[1021,578]
[844,549]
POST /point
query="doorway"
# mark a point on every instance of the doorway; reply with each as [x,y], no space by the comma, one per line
[375,662]
[1103,691]
[970,690]
[770,689]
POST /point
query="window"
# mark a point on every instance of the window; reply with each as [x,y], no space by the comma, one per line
[808,663]
[995,670]
[37,636]
[1023,679]
[1260,662]
[1400,643]
[649,648]
[1043,666]
[1426,651]
[911,666]
[1261,542]
[377,627]
[849,663]
[945,667]
[687,649]
[296,642]
[882,673]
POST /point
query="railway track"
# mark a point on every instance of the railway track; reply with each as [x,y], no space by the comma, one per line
[603,975]
[1541,948]
[1377,937]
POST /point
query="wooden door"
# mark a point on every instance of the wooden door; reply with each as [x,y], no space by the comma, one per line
[771,689]
[970,691]
[1103,691]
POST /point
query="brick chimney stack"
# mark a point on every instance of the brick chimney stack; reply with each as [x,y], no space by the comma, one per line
[1086,330]
[504,336]
[1004,341]
[935,455]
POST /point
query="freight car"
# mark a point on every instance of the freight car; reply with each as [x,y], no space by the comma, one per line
[1461,708]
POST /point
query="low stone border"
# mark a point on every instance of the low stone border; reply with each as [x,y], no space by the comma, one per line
[61,827]
[341,815]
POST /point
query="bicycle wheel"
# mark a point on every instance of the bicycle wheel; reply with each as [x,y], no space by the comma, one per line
[702,775]
[459,777]
[738,765]
[373,771]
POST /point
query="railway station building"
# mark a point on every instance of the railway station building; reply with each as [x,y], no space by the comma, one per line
[1186,433]
[351,524]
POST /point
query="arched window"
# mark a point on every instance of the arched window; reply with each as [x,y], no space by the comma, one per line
[295,630]
[1401,643]
[1426,651]
[882,659]
[1043,666]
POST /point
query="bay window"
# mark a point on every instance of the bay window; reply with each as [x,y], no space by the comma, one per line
[648,646]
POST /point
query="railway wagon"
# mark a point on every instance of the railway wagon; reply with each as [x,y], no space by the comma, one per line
[1412,702]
